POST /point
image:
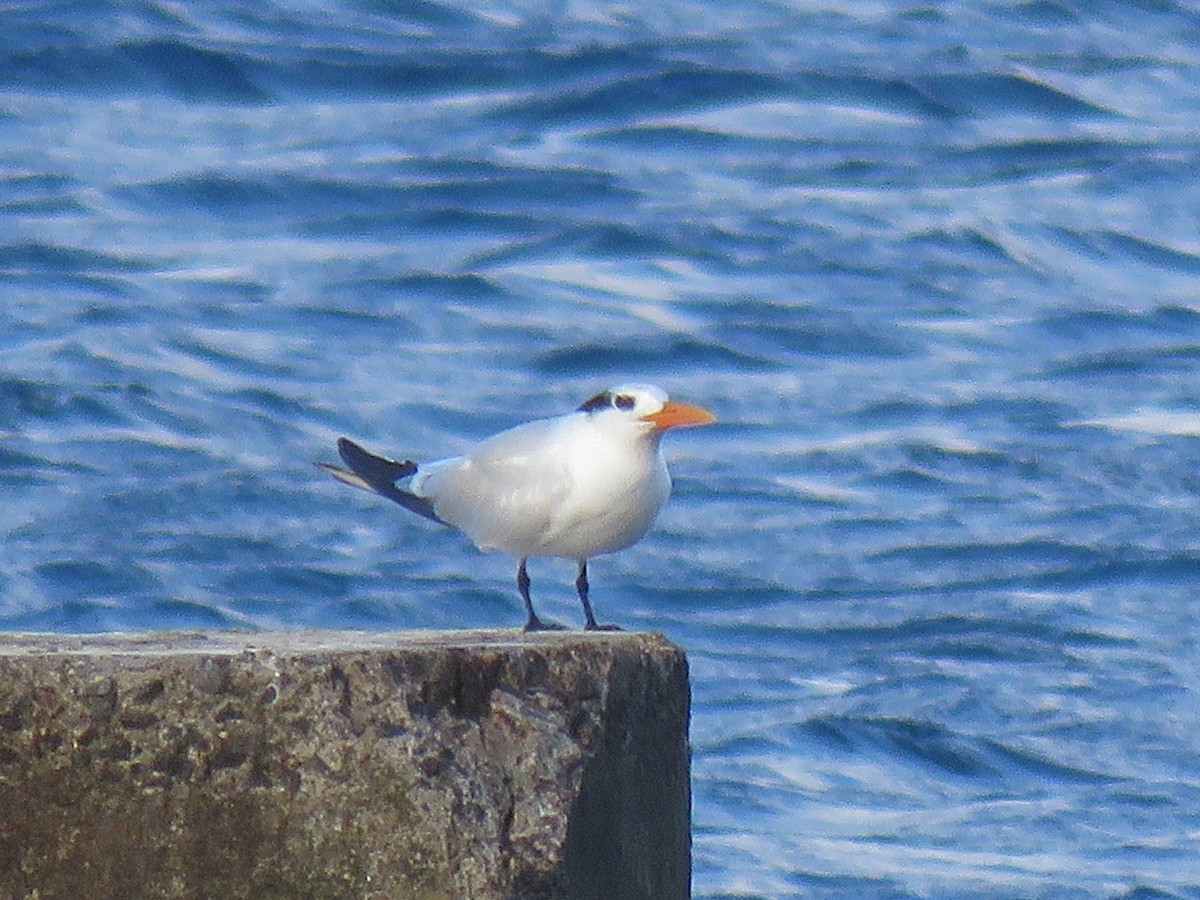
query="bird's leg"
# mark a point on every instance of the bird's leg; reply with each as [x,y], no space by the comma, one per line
[581,585]
[532,623]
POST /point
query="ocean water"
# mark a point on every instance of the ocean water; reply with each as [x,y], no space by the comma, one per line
[935,266]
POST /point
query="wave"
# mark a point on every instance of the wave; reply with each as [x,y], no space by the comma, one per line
[171,66]
[942,750]
[470,198]
[24,401]
[1122,363]
[1110,245]
[992,93]
[651,356]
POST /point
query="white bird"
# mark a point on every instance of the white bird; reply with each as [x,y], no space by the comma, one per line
[573,487]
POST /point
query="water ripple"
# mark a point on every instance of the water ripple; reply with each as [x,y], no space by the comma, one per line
[932,267]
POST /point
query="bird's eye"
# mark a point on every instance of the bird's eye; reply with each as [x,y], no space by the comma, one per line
[601,400]
[623,401]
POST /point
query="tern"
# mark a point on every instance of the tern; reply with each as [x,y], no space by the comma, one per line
[575,486]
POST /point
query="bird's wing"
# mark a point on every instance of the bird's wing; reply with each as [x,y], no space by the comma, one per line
[378,474]
[345,476]
[505,493]
[374,470]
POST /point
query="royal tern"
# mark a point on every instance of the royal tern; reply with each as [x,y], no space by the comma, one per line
[574,487]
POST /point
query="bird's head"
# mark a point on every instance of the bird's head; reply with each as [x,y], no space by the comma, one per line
[646,407]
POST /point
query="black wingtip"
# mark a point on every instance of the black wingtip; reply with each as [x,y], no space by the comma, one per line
[374,470]
[381,474]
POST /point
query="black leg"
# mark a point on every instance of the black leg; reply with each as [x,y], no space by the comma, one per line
[532,622]
[581,585]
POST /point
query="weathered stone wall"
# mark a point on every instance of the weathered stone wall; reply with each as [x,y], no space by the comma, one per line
[329,765]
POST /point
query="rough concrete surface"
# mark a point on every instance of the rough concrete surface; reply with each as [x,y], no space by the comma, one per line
[329,765]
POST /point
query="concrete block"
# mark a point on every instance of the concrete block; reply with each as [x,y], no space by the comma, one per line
[344,765]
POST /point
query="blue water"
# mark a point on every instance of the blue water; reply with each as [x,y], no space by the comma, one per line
[935,267]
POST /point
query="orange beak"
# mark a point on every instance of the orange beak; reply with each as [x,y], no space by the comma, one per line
[675,414]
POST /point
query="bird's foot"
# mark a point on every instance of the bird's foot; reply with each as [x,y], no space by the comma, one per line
[596,626]
[536,624]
